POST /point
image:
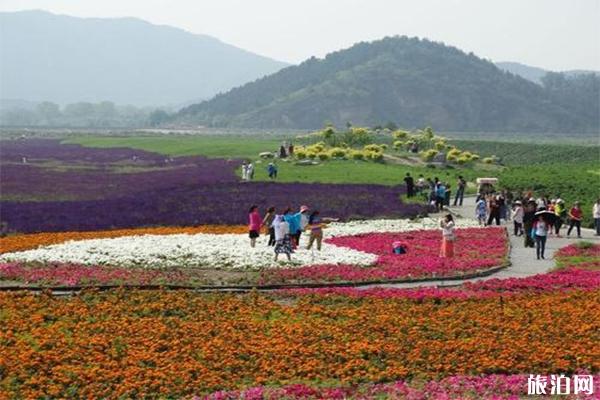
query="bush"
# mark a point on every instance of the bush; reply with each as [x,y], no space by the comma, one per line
[451,158]
[462,160]
[337,152]
[398,144]
[429,155]
[475,157]
[454,152]
[384,146]
[374,147]
[399,134]
[323,156]
[300,153]
[373,155]
[311,154]
[488,160]
[357,155]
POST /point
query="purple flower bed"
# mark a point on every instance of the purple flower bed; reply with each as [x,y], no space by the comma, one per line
[225,203]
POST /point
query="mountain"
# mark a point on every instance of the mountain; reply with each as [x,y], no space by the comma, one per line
[409,81]
[48,57]
[536,74]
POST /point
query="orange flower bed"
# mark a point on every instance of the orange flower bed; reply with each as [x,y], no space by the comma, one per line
[31,241]
[144,344]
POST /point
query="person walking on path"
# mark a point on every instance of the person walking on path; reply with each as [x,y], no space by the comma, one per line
[410,185]
[517,217]
[494,208]
[481,211]
[268,222]
[448,237]
[561,213]
[575,215]
[540,231]
[254,224]
[596,215]
[283,241]
[528,219]
[460,191]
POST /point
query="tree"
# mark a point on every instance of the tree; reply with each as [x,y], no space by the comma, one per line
[158,117]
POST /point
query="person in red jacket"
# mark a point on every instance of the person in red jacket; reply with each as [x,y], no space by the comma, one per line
[575,216]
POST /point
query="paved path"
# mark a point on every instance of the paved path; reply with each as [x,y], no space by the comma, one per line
[523,260]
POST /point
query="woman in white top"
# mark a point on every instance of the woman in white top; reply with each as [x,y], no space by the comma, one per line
[540,233]
[283,241]
[596,215]
[448,237]
[517,217]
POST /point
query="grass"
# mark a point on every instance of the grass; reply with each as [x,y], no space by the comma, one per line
[176,146]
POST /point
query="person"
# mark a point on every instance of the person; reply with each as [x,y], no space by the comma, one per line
[420,183]
[244,171]
[448,237]
[440,195]
[517,217]
[303,220]
[551,208]
[460,191]
[528,219]
[503,211]
[293,221]
[316,230]
[410,185]
[561,213]
[268,222]
[540,230]
[447,195]
[480,210]
[291,150]
[282,153]
[272,170]
[250,171]
[575,216]
[494,210]
[254,223]
[596,215]
[283,242]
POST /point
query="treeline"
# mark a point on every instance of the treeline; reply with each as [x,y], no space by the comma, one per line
[82,115]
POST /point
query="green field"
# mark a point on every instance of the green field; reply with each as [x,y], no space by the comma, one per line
[569,171]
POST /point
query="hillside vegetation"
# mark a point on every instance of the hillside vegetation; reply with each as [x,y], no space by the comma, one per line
[408,81]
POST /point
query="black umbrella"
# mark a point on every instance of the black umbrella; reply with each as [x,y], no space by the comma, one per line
[548,216]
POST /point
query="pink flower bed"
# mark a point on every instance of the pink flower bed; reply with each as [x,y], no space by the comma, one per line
[577,250]
[454,387]
[475,249]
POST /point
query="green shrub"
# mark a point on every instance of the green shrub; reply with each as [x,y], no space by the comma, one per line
[488,160]
[300,153]
[357,155]
[451,158]
[400,134]
[323,156]
[337,152]
[374,147]
[429,155]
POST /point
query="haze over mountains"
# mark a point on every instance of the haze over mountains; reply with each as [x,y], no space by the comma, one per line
[536,74]
[410,82]
[48,57]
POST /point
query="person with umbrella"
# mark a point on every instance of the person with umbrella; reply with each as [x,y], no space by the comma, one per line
[540,229]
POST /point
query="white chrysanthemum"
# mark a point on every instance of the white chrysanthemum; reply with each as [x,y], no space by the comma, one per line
[389,225]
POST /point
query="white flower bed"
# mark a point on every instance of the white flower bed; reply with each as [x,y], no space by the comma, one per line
[390,225]
[198,250]
[230,251]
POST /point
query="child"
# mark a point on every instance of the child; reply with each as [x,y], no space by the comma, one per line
[480,211]
[254,223]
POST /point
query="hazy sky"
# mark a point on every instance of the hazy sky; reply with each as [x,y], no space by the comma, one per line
[552,34]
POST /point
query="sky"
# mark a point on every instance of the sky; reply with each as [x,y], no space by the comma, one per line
[551,34]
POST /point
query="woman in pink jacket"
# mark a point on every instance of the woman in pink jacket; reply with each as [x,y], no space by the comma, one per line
[254,223]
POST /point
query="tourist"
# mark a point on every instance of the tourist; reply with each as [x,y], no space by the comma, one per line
[503,211]
[460,191]
[494,210]
[316,230]
[250,171]
[561,213]
[517,217]
[447,195]
[410,185]
[481,210]
[528,220]
[293,221]
[448,237]
[440,195]
[303,215]
[575,215]
[421,183]
[244,171]
[283,243]
[282,153]
[291,150]
[551,208]
[268,222]
[272,170]
[596,215]
[540,230]
[254,224]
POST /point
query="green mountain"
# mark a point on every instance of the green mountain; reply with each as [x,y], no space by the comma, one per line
[63,59]
[408,81]
[536,74]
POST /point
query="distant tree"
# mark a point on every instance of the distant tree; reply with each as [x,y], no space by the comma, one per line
[391,126]
[48,112]
[158,117]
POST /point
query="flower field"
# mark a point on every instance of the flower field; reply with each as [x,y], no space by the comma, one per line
[102,189]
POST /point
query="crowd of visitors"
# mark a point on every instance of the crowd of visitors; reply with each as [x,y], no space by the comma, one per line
[437,193]
[285,229]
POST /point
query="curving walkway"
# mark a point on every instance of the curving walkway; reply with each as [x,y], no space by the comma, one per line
[523,261]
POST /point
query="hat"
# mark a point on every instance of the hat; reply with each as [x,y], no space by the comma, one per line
[303,208]
[560,201]
[518,202]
